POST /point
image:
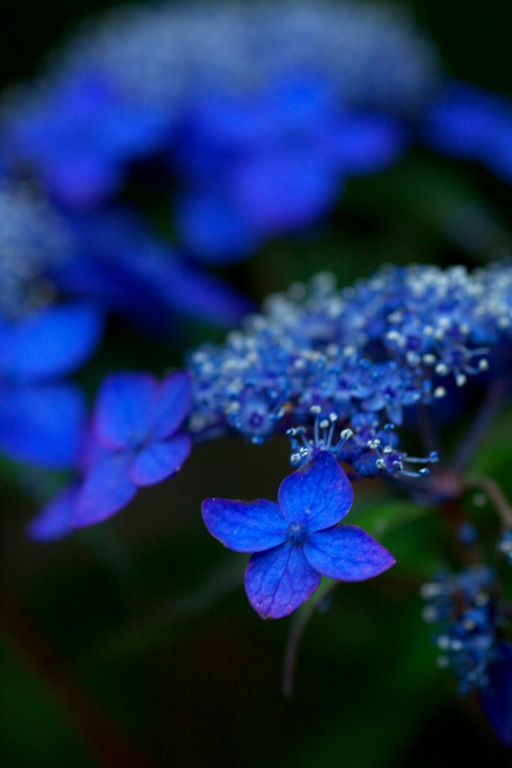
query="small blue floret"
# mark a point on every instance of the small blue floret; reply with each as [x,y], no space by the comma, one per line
[297,540]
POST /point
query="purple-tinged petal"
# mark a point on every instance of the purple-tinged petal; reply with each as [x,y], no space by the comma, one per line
[124,407]
[496,698]
[245,526]
[106,489]
[171,405]
[158,461]
[54,520]
[215,230]
[42,425]
[194,292]
[347,553]
[318,496]
[284,190]
[51,343]
[279,580]
[367,143]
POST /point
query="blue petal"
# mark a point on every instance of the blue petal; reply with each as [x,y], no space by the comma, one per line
[124,408]
[160,460]
[245,526]
[42,425]
[51,343]
[317,496]
[195,292]
[347,553]
[106,489]
[284,190]
[54,520]
[279,580]
[368,143]
[496,698]
[171,405]
[215,230]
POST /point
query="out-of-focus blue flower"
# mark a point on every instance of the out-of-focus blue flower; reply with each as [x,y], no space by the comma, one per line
[262,110]
[123,266]
[273,163]
[473,124]
[83,135]
[466,608]
[41,418]
[297,540]
[136,427]
[108,257]
[354,359]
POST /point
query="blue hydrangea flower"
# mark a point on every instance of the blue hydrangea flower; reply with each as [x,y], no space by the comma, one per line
[83,134]
[136,424]
[111,258]
[299,539]
[41,417]
[317,360]
[273,163]
[466,608]
[262,109]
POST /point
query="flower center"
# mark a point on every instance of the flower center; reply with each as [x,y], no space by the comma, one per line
[297,532]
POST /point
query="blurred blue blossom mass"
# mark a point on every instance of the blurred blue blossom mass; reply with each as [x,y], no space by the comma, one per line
[257,113]
[161,147]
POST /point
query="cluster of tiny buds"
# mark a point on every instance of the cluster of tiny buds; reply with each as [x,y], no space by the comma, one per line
[505,545]
[465,608]
[386,458]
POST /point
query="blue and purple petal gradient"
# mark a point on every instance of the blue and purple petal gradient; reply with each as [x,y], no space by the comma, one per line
[245,526]
[279,580]
[347,553]
[123,408]
[135,424]
[298,540]
[83,136]
[159,460]
[319,496]
[107,488]
[54,520]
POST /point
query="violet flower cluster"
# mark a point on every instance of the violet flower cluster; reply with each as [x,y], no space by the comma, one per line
[340,372]
[466,608]
[255,114]
[354,360]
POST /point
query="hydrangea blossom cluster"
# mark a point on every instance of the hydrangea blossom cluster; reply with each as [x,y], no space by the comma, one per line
[255,114]
[59,275]
[466,607]
[354,358]
[34,240]
[374,54]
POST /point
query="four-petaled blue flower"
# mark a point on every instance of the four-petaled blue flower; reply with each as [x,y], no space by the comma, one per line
[298,539]
[136,422]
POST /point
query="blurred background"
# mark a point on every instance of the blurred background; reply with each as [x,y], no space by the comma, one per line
[132,643]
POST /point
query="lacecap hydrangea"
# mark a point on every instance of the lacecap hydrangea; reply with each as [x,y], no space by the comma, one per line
[334,370]
[255,113]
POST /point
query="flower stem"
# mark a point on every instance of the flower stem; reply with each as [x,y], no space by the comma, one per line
[299,624]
